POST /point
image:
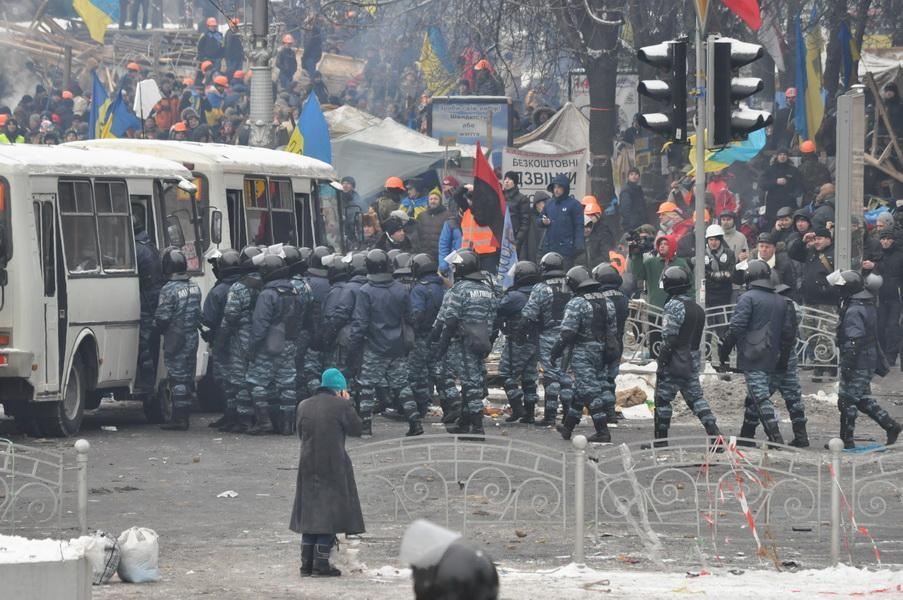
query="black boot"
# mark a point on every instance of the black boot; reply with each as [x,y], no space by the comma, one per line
[462,425]
[711,430]
[476,427]
[517,409]
[263,424]
[567,428]
[846,432]
[179,420]
[366,424]
[748,431]
[307,560]
[602,435]
[800,437]
[451,412]
[221,422]
[892,428]
[529,417]
[551,410]
[230,418]
[241,425]
[321,566]
[415,427]
[773,432]
[659,433]
[287,424]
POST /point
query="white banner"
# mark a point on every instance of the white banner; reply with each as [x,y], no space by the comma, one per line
[536,170]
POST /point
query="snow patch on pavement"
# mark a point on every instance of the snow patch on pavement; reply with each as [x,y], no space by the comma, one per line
[15,549]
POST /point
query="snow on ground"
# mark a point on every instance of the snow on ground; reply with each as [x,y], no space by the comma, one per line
[573,582]
[14,549]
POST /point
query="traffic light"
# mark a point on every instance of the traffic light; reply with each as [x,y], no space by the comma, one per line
[726,118]
[670,57]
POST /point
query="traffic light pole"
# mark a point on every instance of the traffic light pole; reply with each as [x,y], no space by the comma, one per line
[699,148]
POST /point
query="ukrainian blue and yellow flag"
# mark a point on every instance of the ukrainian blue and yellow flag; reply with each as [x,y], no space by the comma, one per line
[109,118]
[311,134]
[743,151]
[97,15]
[100,103]
[810,104]
[849,53]
[435,64]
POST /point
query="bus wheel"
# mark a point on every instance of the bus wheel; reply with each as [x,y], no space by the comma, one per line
[158,406]
[64,418]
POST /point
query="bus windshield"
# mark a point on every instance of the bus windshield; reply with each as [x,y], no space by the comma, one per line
[330,216]
[192,218]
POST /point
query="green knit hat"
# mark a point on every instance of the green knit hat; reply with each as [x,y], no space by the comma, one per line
[333,380]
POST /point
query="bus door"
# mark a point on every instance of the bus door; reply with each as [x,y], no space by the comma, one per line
[304,213]
[329,216]
[238,232]
[53,287]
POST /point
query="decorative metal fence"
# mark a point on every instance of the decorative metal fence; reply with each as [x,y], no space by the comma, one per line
[816,347]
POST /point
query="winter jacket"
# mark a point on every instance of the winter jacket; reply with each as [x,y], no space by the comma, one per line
[857,334]
[564,234]
[425,300]
[233,52]
[429,230]
[337,312]
[286,61]
[632,206]
[215,303]
[719,275]
[597,243]
[823,213]
[150,275]
[379,316]
[763,329]
[814,174]
[519,211]
[649,268]
[449,240]
[889,264]
[816,266]
[779,196]
[210,47]
[326,499]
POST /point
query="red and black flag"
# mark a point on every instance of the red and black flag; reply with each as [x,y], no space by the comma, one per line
[488,201]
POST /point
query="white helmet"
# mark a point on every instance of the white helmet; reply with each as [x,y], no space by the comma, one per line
[714,231]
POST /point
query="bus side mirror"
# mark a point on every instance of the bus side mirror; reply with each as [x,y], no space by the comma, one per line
[216,227]
[174,231]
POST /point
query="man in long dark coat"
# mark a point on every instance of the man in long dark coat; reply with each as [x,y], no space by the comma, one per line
[326,500]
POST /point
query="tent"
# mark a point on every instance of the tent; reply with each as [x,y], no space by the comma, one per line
[385,149]
[885,65]
[567,128]
[347,119]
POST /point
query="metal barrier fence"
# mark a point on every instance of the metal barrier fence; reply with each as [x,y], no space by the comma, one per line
[31,486]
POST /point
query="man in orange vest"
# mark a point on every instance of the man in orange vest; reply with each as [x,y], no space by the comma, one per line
[477,237]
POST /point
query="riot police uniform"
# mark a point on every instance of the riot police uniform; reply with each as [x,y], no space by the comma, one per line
[764,331]
[857,340]
[610,281]
[178,316]
[545,309]
[318,281]
[425,300]
[338,308]
[589,330]
[378,327]
[521,350]
[226,268]
[467,320]
[678,359]
[150,280]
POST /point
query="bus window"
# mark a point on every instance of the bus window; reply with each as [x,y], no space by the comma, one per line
[256,210]
[282,214]
[329,216]
[175,202]
[43,220]
[237,233]
[79,231]
[202,201]
[302,212]
[141,212]
[114,226]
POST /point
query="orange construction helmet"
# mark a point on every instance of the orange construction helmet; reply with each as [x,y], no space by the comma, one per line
[288,39]
[133,66]
[188,82]
[221,80]
[481,64]
[67,95]
[238,75]
[212,22]
[807,147]
[394,183]
[591,206]
[3,119]
[666,207]
[790,93]
[205,66]
[180,126]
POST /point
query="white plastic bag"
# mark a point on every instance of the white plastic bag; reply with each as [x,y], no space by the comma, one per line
[102,551]
[140,553]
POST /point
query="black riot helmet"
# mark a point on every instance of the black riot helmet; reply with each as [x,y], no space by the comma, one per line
[758,274]
[526,273]
[579,279]
[336,268]
[466,263]
[316,258]
[872,284]
[675,280]
[423,264]
[393,253]
[463,573]
[401,264]
[848,283]
[173,261]
[272,267]
[294,260]
[551,265]
[608,276]
[358,263]
[246,259]
[377,262]
[228,263]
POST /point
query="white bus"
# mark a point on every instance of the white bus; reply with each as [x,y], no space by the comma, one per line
[69,300]
[264,196]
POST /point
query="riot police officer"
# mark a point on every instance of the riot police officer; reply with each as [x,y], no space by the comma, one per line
[857,340]
[236,331]
[178,316]
[521,350]
[227,270]
[349,359]
[764,331]
[150,280]
[318,281]
[610,282]
[589,329]
[678,359]
[544,310]
[338,308]
[425,300]
[377,327]
[467,319]
[275,325]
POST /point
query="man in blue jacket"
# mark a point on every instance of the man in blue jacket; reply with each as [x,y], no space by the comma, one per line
[562,218]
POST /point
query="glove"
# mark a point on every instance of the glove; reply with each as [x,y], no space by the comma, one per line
[436,333]
[557,351]
[724,350]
